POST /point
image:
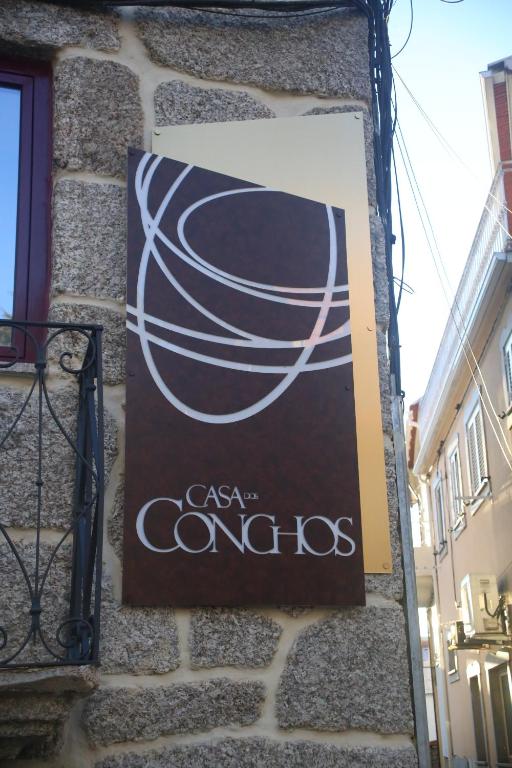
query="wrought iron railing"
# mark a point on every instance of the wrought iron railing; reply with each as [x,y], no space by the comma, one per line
[51,503]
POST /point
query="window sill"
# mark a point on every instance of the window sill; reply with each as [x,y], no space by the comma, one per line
[459,526]
[453,677]
[475,506]
[18,369]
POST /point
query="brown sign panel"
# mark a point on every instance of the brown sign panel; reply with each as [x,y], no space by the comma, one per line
[241,456]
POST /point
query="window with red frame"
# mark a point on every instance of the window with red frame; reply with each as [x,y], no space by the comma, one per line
[25,195]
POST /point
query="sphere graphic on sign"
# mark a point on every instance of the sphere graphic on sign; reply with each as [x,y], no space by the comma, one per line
[162,250]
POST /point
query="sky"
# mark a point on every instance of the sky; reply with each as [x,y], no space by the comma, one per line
[450,44]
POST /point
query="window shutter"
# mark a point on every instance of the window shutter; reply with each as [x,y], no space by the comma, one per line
[473,457]
[476,450]
[455,485]
[479,433]
[508,368]
[440,515]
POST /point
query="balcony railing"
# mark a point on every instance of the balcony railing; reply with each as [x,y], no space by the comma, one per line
[490,238]
[51,496]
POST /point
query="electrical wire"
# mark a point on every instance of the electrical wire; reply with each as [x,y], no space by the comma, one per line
[450,150]
[402,235]
[281,6]
[405,286]
[461,339]
[496,219]
[409,34]
[384,123]
[431,238]
[267,15]
[455,301]
[401,281]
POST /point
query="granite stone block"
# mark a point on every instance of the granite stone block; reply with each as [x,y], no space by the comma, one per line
[137,640]
[89,240]
[139,714]
[15,618]
[97,115]
[323,55]
[46,25]
[385,382]
[114,337]
[236,638]
[177,103]
[81,680]
[349,671]
[28,740]
[38,706]
[19,458]
[257,752]
[380,277]
[35,704]
[115,522]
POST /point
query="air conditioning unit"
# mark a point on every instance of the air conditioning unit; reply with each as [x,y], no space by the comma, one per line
[479,598]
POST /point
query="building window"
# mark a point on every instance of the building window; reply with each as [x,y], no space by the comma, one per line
[507,361]
[439,516]
[457,512]
[476,451]
[499,684]
[25,157]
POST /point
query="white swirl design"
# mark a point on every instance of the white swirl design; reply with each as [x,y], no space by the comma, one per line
[141,319]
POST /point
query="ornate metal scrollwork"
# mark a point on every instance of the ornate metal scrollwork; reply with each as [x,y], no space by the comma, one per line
[50,588]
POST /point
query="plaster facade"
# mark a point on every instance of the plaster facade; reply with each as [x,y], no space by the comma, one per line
[463,478]
[479,544]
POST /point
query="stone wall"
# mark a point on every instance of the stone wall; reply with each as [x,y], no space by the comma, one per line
[220,688]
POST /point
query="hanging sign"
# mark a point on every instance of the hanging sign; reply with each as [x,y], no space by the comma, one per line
[241,452]
[322,158]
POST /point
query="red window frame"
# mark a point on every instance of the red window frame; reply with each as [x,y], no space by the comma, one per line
[32,267]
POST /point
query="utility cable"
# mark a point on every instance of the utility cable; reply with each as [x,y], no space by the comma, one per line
[267,15]
[284,6]
[455,299]
[408,35]
[447,146]
[415,187]
[451,151]
[402,236]
[461,339]
[495,217]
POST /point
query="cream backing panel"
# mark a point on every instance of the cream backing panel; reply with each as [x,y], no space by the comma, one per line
[321,158]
